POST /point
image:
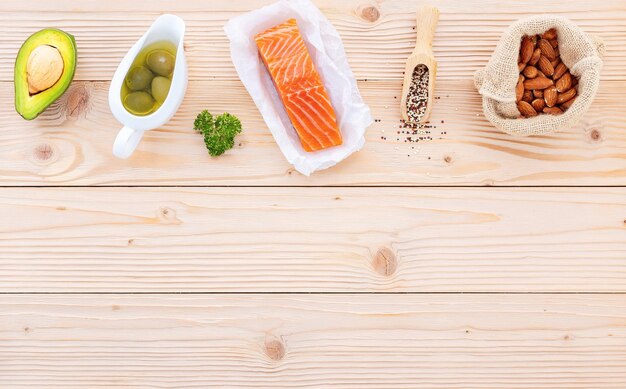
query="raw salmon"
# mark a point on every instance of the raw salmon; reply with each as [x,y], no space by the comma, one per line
[299,85]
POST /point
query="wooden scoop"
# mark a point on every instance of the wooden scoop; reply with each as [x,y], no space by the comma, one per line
[427,18]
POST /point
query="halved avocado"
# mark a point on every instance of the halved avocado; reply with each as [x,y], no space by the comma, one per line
[44,69]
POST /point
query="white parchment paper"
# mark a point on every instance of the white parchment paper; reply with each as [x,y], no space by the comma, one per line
[328,55]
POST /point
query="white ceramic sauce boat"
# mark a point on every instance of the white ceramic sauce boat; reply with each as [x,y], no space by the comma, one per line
[165,27]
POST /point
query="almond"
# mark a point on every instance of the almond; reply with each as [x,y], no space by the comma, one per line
[568,103]
[552,110]
[538,83]
[557,53]
[556,62]
[519,89]
[526,50]
[521,66]
[538,93]
[550,95]
[553,42]
[530,72]
[550,34]
[528,96]
[538,104]
[574,81]
[566,96]
[546,49]
[545,66]
[535,57]
[564,82]
[559,70]
[526,109]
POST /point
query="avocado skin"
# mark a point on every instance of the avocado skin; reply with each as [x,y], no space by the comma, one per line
[29,107]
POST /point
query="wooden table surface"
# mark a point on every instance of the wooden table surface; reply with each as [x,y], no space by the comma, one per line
[470,259]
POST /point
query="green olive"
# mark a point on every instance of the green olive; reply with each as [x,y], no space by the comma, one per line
[160,88]
[139,103]
[139,78]
[161,62]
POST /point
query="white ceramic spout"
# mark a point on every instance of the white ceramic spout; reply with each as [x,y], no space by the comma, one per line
[166,27]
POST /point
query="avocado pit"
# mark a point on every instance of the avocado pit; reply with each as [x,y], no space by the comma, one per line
[44,68]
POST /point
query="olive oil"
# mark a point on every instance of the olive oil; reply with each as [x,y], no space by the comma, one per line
[148,81]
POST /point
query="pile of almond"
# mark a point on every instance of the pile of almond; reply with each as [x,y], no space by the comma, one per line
[545,84]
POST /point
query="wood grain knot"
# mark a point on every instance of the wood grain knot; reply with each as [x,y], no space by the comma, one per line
[385,262]
[77,102]
[595,135]
[44,152]
[167,215]
[27,329]
[447,159]
[115,307]
[370,13]
[274,349]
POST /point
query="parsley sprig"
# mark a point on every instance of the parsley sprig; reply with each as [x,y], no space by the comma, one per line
[219,133]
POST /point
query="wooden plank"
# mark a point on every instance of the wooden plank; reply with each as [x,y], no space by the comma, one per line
[312,240]
[71,144]
[343,341]
[378,35]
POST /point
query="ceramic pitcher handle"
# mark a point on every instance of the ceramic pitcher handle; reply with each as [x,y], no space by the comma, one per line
[126,142]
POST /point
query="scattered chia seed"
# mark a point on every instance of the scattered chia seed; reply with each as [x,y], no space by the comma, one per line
[417,97]
[412,133]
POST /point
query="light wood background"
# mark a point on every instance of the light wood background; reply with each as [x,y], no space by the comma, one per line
[472,260]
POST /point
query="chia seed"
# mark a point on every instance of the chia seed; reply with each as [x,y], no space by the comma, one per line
[417,98]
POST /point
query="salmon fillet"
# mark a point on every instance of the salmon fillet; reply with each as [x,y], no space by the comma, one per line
[299,85]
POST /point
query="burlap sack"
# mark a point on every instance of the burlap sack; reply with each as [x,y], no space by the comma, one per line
[496,82]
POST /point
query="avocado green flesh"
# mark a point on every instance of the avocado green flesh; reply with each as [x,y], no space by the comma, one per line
[30,106]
